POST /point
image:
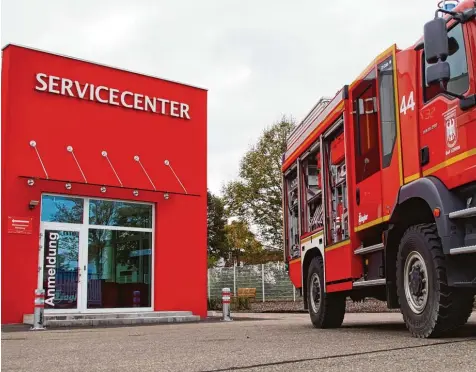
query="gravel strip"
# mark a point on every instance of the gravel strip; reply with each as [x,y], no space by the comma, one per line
[276,306]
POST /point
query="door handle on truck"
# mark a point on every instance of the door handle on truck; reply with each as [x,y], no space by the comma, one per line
[357,196]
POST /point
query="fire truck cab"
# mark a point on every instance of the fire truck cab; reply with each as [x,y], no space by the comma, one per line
[379,184]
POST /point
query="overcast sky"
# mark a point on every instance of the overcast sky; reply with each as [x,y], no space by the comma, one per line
[259,59]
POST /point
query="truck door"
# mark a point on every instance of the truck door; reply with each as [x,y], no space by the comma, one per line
[447,133]
[378,167]
[391,158]
[368,189]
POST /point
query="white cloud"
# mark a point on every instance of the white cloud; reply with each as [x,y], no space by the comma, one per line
[259,59]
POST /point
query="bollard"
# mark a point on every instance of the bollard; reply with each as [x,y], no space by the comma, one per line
[226,304]
[136,299]
[38,316]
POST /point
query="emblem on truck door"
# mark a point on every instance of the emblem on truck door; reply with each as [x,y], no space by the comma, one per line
[451,130]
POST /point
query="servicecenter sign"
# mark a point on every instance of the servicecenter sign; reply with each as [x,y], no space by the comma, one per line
[111,96]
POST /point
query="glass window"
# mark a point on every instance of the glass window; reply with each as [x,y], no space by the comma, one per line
[62,209]
[312,218]
[60,269]
[387,110]
[367,144]
[119,269]
[459,78]
[292,215]
[115,213]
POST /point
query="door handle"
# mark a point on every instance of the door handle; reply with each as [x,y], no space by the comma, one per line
[357,196]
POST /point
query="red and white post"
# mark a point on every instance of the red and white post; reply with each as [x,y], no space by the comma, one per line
[225,292]
[38,316]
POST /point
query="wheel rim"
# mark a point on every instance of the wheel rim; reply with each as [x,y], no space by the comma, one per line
[416,282]
[315,291]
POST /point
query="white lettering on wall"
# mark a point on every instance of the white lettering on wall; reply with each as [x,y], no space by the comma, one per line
[163,105]
[53,83]
[39,79]
[66,85]
[91,92]
[184,111]
[81,93]
[174,108]
[138,101]
[98,94]
[150,104]
[111,96]
[123,99]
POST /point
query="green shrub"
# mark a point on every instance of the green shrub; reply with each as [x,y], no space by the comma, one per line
[240,303]
[214,304]
[237,304]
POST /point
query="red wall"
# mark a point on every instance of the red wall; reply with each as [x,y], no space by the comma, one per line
[57,121]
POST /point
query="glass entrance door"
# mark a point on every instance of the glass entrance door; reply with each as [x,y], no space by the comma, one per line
[96,254]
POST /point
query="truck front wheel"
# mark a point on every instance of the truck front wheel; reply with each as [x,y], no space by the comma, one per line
[327,310]
[429,307]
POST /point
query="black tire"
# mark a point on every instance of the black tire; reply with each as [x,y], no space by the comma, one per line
[465,308]
[445,309]
[330,313]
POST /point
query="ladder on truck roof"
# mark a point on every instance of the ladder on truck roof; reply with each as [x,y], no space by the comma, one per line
[313,119]
[308,119]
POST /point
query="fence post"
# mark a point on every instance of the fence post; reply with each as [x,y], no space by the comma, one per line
[234,279]
[262,280]
[208,282]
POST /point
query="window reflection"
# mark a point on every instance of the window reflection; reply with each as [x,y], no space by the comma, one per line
[114,213]
[367,160]
[119,269]
[459,79]
[60,269]
[62,209]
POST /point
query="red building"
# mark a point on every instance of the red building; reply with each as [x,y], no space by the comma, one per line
[103,188]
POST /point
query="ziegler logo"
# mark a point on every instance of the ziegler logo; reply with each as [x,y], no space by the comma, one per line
[451,130]
[363,218]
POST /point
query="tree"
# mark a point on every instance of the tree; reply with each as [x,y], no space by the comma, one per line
[244,247]
[217,244]
[256,196]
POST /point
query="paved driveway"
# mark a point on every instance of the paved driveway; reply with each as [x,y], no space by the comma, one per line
[271,342]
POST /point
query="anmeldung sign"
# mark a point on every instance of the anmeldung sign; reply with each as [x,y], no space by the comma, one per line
[49,267]
[111,96]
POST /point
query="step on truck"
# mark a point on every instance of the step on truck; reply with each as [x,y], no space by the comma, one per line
[379,185]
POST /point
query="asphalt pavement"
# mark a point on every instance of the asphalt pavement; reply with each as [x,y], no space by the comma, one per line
[252,342]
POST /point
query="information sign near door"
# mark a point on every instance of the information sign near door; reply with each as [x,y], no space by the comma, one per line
[20,225]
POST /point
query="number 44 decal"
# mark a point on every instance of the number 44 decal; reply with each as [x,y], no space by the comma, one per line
[407,105]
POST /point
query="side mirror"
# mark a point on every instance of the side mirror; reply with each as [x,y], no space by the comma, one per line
[435,40]
[438,73]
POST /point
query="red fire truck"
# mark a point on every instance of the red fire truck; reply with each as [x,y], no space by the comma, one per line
[379,185]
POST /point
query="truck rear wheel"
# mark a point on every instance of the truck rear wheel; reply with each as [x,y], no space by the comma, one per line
[429,307]
[327,310]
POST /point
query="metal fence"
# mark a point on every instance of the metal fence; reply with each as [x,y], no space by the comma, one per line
[270,280]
